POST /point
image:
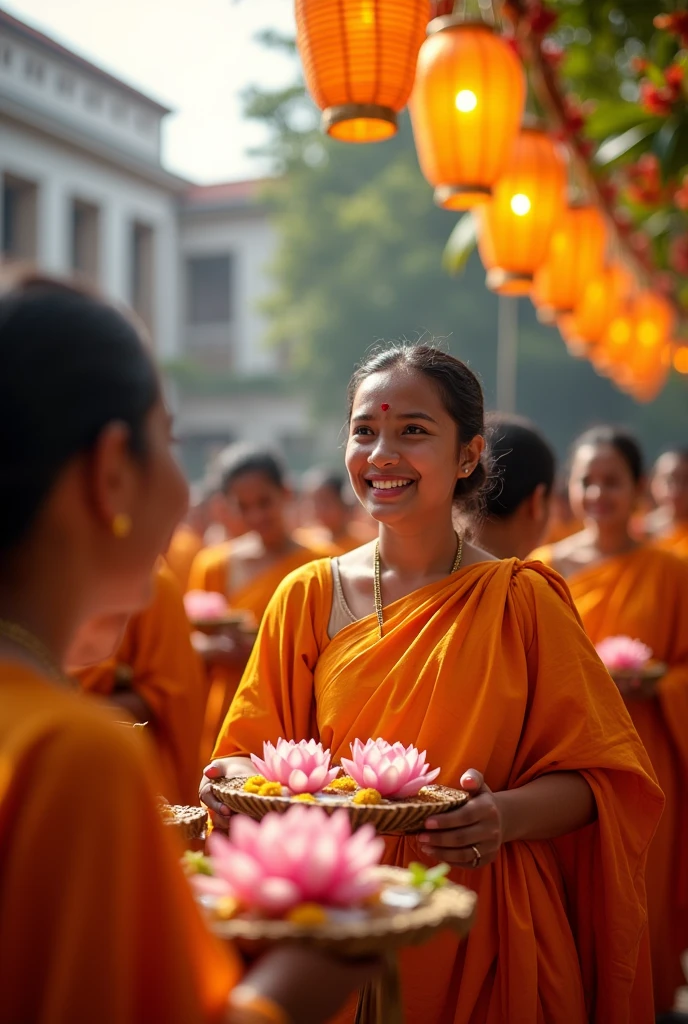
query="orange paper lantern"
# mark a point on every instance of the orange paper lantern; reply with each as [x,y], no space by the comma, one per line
[359,60]
[681,359]
[601,300]
[653,320]
[517,223]
[466,108]
[575,255]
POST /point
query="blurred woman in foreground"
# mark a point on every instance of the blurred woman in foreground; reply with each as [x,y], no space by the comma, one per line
[97,922]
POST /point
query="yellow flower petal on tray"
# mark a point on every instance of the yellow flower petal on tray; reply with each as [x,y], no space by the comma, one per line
[344,785]
[256,780]
[226,908]
[367,796]
[305,798]
[307,914]
[270,789]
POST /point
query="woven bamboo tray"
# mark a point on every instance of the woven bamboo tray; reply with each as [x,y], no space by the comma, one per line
[451,907]
[233,620]
[189,822]
[391,817]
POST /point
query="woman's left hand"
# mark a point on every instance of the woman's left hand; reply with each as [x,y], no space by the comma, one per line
[471,836]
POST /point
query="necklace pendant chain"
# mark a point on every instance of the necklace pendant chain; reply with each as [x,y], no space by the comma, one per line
[377,578]
[26,640]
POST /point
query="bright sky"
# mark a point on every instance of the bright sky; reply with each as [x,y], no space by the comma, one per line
[193,55]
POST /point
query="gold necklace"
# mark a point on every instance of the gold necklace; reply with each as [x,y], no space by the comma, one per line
[27,641]
[377,581]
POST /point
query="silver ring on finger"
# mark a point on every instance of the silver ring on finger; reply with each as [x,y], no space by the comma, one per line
[475,863]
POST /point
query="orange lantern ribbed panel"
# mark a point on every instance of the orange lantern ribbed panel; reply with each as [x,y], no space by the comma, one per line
[575,255]
[681,359]
[601,300]
[517,223]
[359,60]
[466,108]
[653,322]
[611,356]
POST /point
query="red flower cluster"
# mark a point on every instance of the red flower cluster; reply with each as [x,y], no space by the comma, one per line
[552,52]
[540,17]
[645,181]
[678,254]
[660,99]
[681,194]
[676,23]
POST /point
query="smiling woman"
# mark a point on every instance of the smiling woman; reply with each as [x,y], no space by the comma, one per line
[623,588]
[424,639]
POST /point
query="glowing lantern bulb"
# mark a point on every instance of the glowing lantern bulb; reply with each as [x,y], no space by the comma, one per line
[520,204]
[466,101]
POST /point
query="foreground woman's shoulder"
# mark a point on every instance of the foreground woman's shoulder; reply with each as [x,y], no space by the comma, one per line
[313,577]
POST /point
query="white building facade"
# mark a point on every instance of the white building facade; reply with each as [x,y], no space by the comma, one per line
[84,192]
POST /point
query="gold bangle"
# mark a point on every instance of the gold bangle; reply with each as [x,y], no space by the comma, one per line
[248,1007]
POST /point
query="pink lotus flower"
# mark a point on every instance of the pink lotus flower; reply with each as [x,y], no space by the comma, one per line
[393,770]
[302,856]
[204,604]
[302,767]
[622,653]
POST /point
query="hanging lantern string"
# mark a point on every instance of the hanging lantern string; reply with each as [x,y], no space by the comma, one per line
[546,89]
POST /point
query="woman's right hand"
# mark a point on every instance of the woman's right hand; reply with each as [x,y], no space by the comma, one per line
[220,768]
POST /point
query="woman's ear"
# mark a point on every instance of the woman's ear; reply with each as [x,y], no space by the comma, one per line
[111,476]
[470,455]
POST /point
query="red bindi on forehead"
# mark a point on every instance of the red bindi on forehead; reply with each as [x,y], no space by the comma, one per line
[384,406]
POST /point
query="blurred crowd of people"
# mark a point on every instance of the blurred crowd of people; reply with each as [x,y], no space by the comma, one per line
[601,543]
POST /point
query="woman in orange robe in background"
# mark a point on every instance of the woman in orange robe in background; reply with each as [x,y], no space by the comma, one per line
[247,570]
[157,677]
[669,485]
[97,920]
[621,587]
[487,668]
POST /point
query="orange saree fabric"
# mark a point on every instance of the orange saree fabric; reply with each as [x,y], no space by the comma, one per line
[184,547]
[97,921]
[676,541]
[644,594]
[488,669]
[211,571]
[161,665]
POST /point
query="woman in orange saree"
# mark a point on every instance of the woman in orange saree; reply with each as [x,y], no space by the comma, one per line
[246,570]
[157,677]
[622,587]
[489,670]
[669,486]
[97,922]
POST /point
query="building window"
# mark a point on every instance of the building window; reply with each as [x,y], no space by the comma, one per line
[34,69]
[66,84]
[5,55]
[144,123]
[85,223]
[19,218]
[209,289]
[143,272]
[93,99]
[119,110]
